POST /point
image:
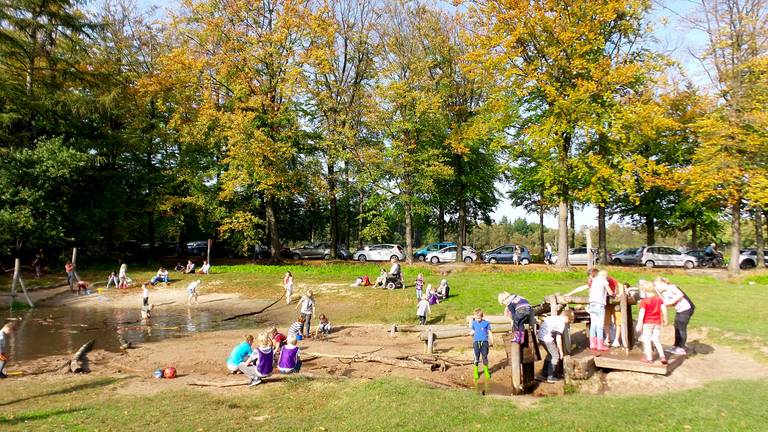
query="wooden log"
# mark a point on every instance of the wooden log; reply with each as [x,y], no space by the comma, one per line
[579,367]
[514,359]
[553,306]
[493,319]
[430,342]
[460,332]
[79,361]
[624,309]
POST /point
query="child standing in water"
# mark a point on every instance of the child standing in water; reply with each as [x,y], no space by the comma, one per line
[145,295]
[419,286]
[288,285]
[482,338]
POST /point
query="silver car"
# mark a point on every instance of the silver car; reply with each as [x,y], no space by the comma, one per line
[448,254]
[320,250]
[667,257]
[627,256]
[748,258]
[379,252]
[578,256]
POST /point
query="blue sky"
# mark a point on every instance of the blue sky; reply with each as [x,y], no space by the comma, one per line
[674,37]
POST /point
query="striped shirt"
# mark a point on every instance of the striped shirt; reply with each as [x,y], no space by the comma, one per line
[295,328]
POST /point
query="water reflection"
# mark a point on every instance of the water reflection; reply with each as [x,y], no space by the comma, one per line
[62,330]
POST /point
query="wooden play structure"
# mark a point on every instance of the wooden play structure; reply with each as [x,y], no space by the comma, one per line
[17,280]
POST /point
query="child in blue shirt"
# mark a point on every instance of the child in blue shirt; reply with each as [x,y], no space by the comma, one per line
[239,354]
[482,337]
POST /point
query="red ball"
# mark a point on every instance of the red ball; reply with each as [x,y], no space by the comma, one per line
[169,372]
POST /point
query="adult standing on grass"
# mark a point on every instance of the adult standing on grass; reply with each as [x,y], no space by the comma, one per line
[5,333]
[684,308]
[38,264]
[306,307]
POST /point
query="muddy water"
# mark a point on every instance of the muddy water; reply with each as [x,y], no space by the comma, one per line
[62,330]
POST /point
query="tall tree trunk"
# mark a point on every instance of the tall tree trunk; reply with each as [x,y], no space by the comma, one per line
[360,216]
[733,265]
[274,237]
[602,241]
[348,212]
[441,222]
[759,241]
[650,231]
[562,235]
[334,207]
[461,240]
[541,229]
[694,235]
[151,233]
[408,231]
[571,213]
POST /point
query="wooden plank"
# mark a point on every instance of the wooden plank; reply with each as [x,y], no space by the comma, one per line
[493,319]
[460,332]
[632,363]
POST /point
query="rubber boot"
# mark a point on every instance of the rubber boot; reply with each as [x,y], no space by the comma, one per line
[486,372]
[521,336]
[592,342]
[475,373]
[601,346]
[514,337]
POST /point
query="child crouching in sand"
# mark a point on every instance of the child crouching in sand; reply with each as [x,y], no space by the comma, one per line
[260,363]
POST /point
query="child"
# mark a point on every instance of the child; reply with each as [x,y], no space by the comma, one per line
[289,362]
[82,286]
[324,326]
[5,332]
[145,295]
[617,341]
[69,267]
[206,268]
[192,292]
[422,310]
[179,267]
[260,362]
[278,339]
[518,310]
[653,314]
[419,286]
[288,285]
[482,337]
[190,268]
[551,335]
[443,290]
[240,354]
[432,296]
[297,328]
[112,279]
[161,276]
[597,284]
[306,306]
[382,279]
[516,256]
[122,276]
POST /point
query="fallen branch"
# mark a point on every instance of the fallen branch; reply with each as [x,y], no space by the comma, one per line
[253,313]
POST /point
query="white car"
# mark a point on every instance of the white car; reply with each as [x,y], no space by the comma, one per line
[448,254]
[578,256]
[668,257]
[379,252]
[748,258]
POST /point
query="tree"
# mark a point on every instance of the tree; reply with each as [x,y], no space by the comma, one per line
[557,56]
[339,76]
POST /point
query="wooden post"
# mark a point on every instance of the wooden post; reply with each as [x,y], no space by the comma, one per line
[590,258]
[208,254]
[567,340]
[430,342]
[74,255]
[630,327]
[17,279]
[626,321]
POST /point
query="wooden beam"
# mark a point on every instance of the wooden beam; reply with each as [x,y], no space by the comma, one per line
[632,363]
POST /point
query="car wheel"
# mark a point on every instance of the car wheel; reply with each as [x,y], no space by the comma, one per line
[616,261]
[422,257]
[493,261]
[649,264]
[434,260]
[468,259]
[688,265]
[361,258]
[327,256]
[296,256]
[524,261]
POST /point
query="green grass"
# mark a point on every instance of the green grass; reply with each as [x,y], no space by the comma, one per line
[379,405]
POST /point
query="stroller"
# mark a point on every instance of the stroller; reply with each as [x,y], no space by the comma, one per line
[395,281]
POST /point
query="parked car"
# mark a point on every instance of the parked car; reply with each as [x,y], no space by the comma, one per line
[578,256]
[698,253]
[379,252]
[448,254]
[630,256]
[422,253]
[197,247]
[748,258]
[503,254]
[667,256]
[320,250]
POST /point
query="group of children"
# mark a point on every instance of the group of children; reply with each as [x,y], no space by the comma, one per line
[429,297]
[274,350]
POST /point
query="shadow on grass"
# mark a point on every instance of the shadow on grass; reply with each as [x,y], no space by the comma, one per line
[39,415]
[89,385]
[437,319]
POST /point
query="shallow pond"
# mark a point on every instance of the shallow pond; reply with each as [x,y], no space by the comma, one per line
[62,330]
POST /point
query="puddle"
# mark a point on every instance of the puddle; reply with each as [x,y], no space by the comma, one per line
[62,330]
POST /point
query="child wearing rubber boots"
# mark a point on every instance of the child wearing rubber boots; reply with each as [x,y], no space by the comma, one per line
[482,338]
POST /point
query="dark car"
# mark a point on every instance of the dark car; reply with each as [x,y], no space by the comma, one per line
[197,248]
[504,254]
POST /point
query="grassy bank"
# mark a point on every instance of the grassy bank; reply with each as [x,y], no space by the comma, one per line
[380,405]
